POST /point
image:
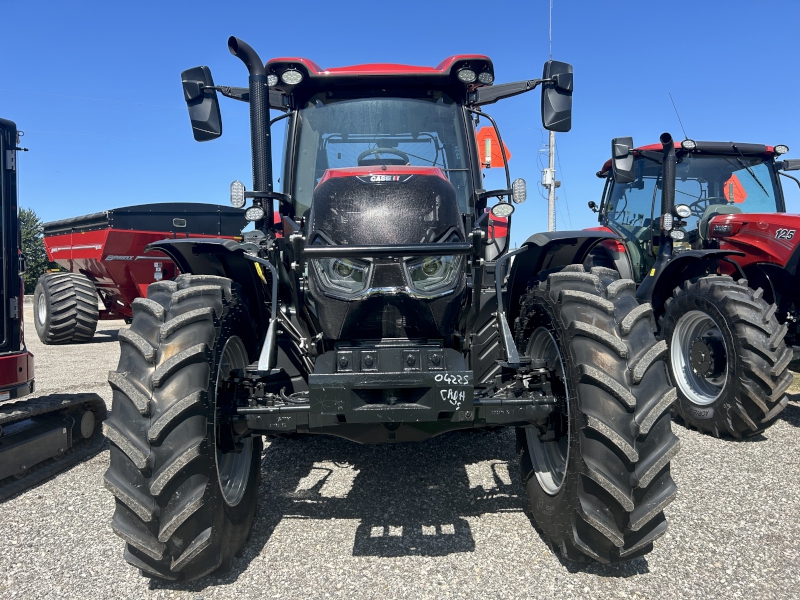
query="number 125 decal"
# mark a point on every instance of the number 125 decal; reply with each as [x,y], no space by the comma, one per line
[784,234]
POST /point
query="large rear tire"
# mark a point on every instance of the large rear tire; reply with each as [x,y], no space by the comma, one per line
[597,470]
[728,358]
[184,507]
[65,308]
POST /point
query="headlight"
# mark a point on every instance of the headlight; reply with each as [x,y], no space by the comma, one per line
[254,213]
[466,75]
[683,211]
[291,77]
[342,275]
[433,273]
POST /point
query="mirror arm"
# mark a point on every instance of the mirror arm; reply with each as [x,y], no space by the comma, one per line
[657,157]
[489,95]
[277,101]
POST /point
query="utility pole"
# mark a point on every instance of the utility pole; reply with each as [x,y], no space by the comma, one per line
[549,181]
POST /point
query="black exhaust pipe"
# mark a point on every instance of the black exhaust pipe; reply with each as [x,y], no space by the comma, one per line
[665,242]
[260,142]
[668,174]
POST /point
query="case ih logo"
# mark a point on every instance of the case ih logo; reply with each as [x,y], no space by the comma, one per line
[384,178]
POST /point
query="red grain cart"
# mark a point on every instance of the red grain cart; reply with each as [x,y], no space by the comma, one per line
[104,254]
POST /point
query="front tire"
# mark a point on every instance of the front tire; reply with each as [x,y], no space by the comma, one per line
[728,358]
[596,472]
[183,506]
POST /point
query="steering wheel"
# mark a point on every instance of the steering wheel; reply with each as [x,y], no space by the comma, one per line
[699,206]
[376,151]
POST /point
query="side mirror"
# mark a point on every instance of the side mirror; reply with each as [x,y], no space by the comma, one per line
[201,99]
[622,160]
[557,96]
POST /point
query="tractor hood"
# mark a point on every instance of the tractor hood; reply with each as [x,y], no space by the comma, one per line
[398,296]
[764,237]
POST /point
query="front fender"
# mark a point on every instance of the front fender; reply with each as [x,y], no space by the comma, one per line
[657,286]
[224,258]
[545,251]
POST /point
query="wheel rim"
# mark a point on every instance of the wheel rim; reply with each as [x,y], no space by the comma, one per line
[41,308]
[233,469]
[690,328]
[550,458]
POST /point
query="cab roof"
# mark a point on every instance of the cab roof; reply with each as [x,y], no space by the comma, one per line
[721,148]
[375,74]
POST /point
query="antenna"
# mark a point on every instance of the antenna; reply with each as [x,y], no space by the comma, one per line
[686,137]
[551,29]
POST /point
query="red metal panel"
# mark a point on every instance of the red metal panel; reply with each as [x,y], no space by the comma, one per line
[15,369]
[116,261]
[757,236]
[379,170]
[379,68]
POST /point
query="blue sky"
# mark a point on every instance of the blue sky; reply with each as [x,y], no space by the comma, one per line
[96,85]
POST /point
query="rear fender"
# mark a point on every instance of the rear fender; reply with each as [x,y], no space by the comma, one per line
[657,286]
[545,251]
[224,258]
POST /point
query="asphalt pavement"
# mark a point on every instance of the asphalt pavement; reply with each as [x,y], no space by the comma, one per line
[440,519]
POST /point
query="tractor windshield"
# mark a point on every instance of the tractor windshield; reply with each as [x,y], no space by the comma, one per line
[338,133]
[709,185]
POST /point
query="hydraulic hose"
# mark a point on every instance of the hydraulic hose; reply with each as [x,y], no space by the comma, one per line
[260,141]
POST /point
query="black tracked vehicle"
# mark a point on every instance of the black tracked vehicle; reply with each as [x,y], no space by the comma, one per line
[38,436]
[383,309]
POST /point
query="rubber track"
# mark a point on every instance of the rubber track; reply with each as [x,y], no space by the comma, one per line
[25,409]
[614,510]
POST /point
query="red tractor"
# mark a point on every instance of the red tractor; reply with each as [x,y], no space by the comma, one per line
[383,313]
[104,254]
[719,270]
[38,436]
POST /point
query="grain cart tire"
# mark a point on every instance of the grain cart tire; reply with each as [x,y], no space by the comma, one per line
[597,471]
[65,308]
[727,356]
[184,507]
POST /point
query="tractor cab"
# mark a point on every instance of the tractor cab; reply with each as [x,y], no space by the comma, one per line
[712,178]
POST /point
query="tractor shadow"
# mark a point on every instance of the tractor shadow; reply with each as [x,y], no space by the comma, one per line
[408,499]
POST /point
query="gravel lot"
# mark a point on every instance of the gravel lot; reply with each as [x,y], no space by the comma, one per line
[445,518]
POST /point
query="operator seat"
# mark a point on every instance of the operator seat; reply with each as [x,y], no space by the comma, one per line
[709,213]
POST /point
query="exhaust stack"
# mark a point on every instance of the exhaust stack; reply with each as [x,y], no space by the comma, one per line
[260,142]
